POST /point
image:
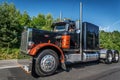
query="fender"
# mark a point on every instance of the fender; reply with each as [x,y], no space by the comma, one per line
[34,50]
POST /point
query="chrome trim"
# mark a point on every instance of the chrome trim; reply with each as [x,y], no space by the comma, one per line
[90,50]
[90,56]
[71,50]
[28,34]
[73,57]
[25,40]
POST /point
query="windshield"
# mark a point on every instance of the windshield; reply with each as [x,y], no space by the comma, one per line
[59,28]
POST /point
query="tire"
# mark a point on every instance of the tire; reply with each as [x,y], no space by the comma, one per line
[109,58]
[46,62]
[33,72]
[116,57]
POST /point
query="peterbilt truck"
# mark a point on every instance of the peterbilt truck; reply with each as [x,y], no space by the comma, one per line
[68,42]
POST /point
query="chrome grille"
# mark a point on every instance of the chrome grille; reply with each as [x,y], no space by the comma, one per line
[24,40]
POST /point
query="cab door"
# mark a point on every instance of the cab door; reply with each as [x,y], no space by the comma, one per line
[73,37]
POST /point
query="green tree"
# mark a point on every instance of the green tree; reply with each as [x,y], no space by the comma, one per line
[9,25]
[110,40]
[38,22]
[49,21]
[57,20]
[25,19]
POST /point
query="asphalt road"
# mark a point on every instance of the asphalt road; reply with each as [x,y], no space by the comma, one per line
[81,71]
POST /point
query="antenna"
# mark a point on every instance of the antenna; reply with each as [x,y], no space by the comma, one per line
[81,31]
[60,16]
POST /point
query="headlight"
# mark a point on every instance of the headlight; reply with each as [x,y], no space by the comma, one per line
[31,44]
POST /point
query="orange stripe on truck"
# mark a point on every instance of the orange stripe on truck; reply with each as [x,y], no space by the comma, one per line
[66,41]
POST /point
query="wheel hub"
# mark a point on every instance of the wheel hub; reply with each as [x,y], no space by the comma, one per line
[47,63]
[116,57]
[110,57]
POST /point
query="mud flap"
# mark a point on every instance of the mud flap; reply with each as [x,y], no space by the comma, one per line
[63,66]
[32,68]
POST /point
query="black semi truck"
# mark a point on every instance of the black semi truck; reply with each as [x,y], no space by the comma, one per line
[52,49]
[68,42]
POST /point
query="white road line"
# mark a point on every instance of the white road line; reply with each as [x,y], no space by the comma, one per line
[4,67]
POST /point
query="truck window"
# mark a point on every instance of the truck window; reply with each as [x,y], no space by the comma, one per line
[71,28]
[59,28]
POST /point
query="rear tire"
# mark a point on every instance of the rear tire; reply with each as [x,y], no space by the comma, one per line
[109,58]
[116,57]
[46,62]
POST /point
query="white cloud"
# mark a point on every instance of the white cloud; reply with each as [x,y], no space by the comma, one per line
[105,28]
[110,27]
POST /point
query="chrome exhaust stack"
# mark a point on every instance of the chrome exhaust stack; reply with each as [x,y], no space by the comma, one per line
[81,31]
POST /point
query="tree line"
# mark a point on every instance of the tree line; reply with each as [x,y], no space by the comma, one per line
[110,40]
[12,23]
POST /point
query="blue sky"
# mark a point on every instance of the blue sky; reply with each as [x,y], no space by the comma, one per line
[104,13]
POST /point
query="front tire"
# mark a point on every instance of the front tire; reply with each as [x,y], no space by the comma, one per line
[46,62]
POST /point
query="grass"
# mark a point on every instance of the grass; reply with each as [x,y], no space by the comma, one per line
[11,53]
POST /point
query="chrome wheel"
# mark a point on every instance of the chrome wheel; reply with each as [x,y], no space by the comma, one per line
[47,63]
[116,57]
[110,57]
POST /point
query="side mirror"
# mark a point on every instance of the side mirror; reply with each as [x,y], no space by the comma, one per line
[78,31]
